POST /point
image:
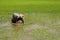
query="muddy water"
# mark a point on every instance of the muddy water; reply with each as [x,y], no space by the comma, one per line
[8,25]
[10,31]
[16,32]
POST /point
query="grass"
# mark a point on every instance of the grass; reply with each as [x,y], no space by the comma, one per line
[44,13]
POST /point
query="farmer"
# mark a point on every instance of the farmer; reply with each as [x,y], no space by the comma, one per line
[17,17]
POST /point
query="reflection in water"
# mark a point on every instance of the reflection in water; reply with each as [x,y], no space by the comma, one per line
[16,31]
[17,27]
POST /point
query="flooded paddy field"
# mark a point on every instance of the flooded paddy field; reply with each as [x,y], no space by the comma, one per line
[41,20]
